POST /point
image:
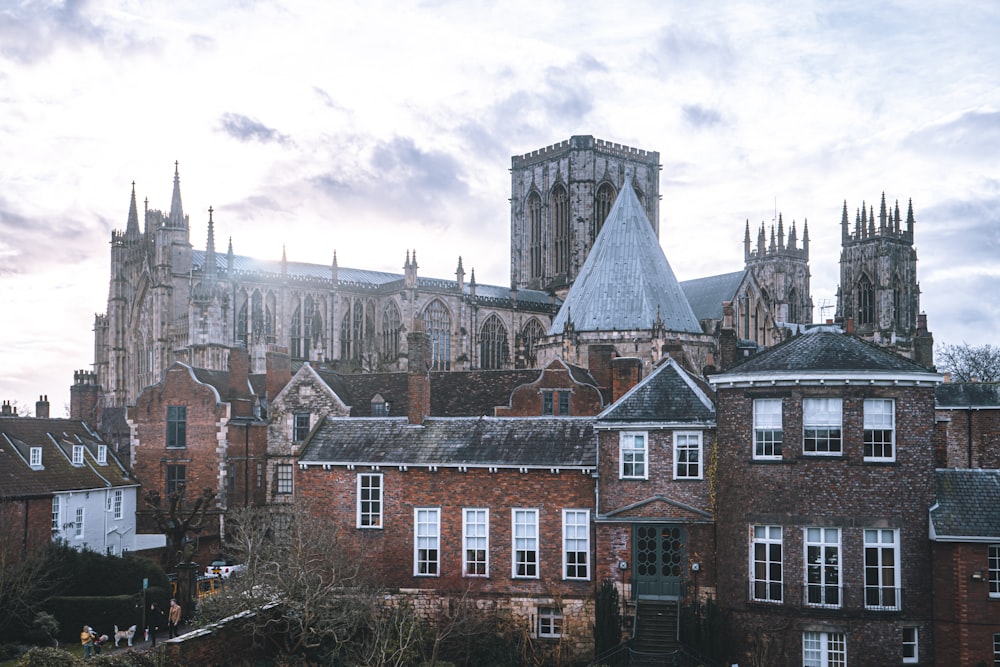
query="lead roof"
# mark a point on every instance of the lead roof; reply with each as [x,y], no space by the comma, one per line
[668,394]
[967,502]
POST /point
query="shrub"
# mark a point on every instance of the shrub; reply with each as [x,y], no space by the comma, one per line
[48,657]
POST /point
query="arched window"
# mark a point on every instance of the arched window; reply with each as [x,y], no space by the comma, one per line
[316,337]
[494,350]
[535,227]
[866,302]
[391,326]
[560,214]
[437,323]
[898,310]
[297,348]
[531,333]
[793,305]
[602,206]
[306,329]
[345,336]
[358,331]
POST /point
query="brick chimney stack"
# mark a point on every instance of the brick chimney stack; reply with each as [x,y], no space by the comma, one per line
[418,386]
[42,407]
[239,381]
[83,396]
[626,373]
[278,369]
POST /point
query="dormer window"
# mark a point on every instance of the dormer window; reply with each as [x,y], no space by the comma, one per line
[78,455]
[102,454]
[36,457]
[555,403]
[379,407]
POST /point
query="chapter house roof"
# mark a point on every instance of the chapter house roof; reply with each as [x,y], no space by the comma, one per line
[626,283]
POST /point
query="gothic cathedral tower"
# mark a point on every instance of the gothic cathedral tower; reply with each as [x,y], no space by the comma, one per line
[879,296]
[560,196]
[781,270]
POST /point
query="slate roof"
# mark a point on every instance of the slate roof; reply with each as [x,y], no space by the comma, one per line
[626,281]
[484,441]
[220,381]
[668,394]
[453,393]
[707,294]
[56,437]
[822,351]
[967,395]
[967,507]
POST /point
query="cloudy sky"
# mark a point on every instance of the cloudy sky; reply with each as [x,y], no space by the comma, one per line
[369,128]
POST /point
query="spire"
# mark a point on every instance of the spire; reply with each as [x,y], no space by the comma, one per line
[132,228]
[845,231]
[176,218]
[896,219]
[773,244]
[761,240]
[460,275]
[472,284]
[910,220]
[871,221]
[882,216]
[781,233]
[229,259]
[746,242]
[145,215]
[805,236]
[209,270]
[334,269]
[792,237]
[284,262]
[864,219]
[857,224]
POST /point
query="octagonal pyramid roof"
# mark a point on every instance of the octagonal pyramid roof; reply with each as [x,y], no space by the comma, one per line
[626,282]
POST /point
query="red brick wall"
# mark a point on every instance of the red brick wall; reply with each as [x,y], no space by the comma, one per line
[972,434]
[388,552]
[526,400]
[844,492]
[966,617]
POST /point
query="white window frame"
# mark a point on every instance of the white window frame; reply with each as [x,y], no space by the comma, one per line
[996,648]
[824,649]
[117,497]
[993,569]
[768,432]
[56,513]
[576,544]
[633,460]
[35,457]
[476,542]
[102,454]
[550,623]
[881,569]
[684,450]
[78,455]
[524,543]
[823,422]
[297,429]
[764,586]
[426,541]
[367,517]
[826,558]
[78,530]
[880,429]
[911,640]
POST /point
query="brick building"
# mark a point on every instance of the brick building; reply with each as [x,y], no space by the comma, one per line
[968,418]
[825,478]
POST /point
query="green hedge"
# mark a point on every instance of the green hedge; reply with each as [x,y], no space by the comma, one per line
[102,612]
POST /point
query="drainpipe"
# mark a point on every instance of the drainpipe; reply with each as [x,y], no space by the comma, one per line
[969,434]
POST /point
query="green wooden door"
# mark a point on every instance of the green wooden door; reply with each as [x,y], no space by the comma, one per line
[658,560]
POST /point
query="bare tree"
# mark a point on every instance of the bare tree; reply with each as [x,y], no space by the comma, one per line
[969,363]
[25,581]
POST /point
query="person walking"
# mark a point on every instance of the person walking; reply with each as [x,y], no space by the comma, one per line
[154,619]
[173,619]
[87,639]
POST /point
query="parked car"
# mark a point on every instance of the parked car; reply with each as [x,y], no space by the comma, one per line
[220,568]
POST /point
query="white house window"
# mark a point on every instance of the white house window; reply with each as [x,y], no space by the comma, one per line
[35,457]
[550,622]
[78,532]
[78,455]
[632,454]
[369,501]
[765,564]
[994,570]
[911,644]
[283,475]
[821,420]
[576,544]
[823,567]
[525,529]
[475,537]
[687,455]
[880,429]
[427,542]
[767,433]
[56,513]
[102,454]
[824,649]
[300,426]
[882,569]
[116,503]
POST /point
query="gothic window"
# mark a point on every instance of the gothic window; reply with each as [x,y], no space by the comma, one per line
[315,324]
[391,325]
[898,316]
[531,333]
[258,324]
[793,305]
[297,346]
[357,330]
[493,347]
[866,302]
[437,323]
[560,208]
[602,206]
[535,226]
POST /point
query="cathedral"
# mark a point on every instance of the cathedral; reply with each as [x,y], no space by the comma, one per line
[572,270]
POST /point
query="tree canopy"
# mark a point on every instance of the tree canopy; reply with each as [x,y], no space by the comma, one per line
[969,363]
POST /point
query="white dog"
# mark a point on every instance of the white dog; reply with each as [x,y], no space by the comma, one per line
[124,634]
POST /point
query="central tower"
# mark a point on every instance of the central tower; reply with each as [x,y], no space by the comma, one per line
[560,196]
